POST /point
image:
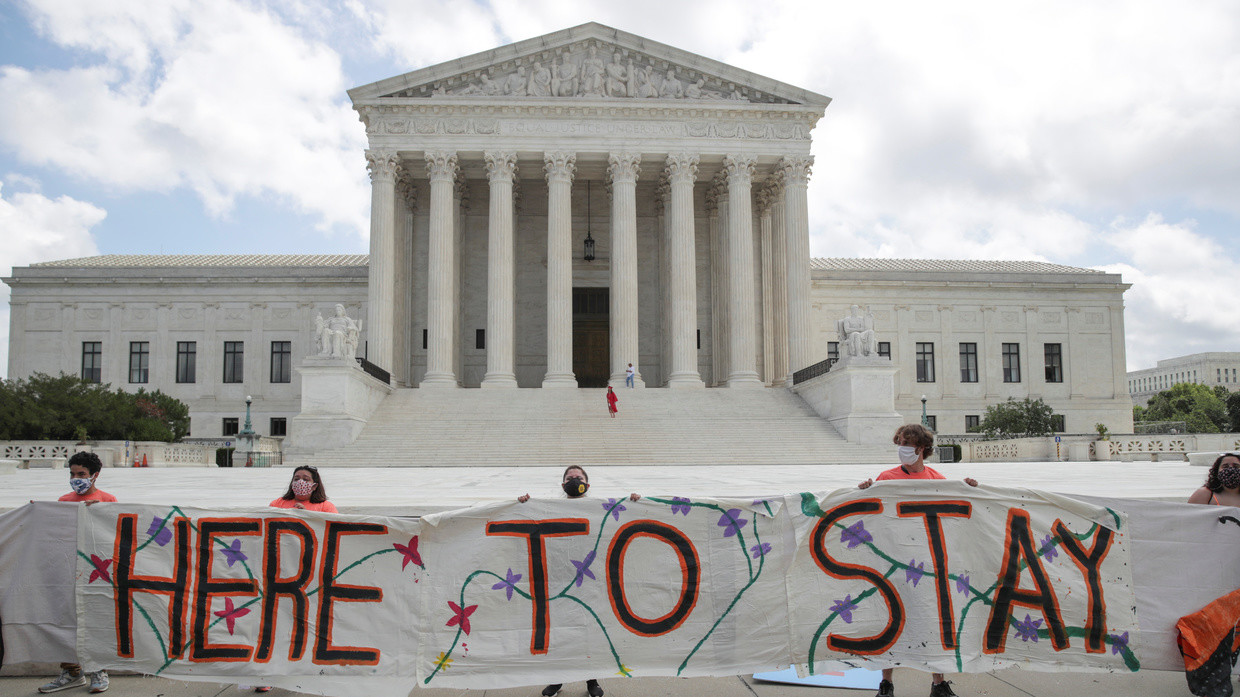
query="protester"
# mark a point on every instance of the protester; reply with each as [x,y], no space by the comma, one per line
[1222,487]
[84,469]
[306,492]
[915,442]
[575,484]
[612,401]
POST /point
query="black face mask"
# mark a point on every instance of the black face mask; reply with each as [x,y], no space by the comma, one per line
[575,486]
[1229,477]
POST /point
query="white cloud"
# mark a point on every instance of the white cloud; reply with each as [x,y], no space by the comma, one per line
[215,95]
[36,228]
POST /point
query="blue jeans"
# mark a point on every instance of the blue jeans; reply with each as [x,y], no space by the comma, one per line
[628,380]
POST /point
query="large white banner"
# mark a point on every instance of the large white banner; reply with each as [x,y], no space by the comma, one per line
[933,575]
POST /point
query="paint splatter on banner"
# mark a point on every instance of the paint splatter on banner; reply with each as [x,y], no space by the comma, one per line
[939,576]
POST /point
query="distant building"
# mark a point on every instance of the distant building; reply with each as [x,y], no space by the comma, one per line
[1214,368]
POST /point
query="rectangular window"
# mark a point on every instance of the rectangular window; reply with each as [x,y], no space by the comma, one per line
[424,333]
[139,362]
[281,361]
[972,422]
[234,361]
[1011,362]
[699,339]
[932,422]
[279,426]
[1057,423]
[231,426]
[884,349]
[480,338]
[925,361]
[92,361]
[187,360]
[833,352]
[1054,362]
[968,362]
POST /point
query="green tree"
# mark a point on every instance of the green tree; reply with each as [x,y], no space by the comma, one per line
[1198,406]
[61,408]
[1017,419]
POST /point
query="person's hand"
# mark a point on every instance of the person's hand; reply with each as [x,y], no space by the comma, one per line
[970,481]
[523,498]
[298,505]
[866,484]
[634,496]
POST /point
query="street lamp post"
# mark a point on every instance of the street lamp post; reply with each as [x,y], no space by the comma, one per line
[924,421]
[247,434]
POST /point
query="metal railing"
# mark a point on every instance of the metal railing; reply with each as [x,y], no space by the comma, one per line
[819,368]
[375,371]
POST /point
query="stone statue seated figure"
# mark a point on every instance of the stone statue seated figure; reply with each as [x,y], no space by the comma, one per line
[337,336]
[856,333]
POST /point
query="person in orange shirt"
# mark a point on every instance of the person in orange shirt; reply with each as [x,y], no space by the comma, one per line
[914,443]
[84,469]
[306,492]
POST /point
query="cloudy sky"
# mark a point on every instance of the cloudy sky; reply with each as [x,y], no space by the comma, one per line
[1103,134]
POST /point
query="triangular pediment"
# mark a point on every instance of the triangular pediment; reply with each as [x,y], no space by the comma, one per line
[590,61]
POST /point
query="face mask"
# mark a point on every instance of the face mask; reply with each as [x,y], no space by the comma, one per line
[302,488]
[907,453]
[575,486]
[81,486]
[1229,477]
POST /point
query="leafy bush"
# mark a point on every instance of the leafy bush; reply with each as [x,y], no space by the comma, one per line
[68,408]
[1018,419]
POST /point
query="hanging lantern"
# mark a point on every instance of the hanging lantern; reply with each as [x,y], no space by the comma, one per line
[589,250]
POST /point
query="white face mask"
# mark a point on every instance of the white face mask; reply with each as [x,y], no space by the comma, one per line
[302,488]
[81,486]
[907,453]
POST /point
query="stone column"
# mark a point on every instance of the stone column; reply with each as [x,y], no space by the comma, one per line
[623,169]
[795,171]
[663,212]
[764,200]
[501,169]
[742,346]
[380,317]
[441,167]
[460,205]
[402,346]
[720,264]
[559,168]
[779,285]
[681,172]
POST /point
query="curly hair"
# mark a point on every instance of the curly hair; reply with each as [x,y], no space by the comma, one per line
[920,436]
[90,461]
[1212,482]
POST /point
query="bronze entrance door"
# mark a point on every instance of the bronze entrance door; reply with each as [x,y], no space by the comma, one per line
[591,336]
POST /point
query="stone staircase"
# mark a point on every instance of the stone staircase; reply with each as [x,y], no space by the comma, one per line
[531,427]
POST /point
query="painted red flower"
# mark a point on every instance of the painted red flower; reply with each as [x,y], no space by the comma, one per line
[460,616]
[101,569]
[230,613]
[409,553]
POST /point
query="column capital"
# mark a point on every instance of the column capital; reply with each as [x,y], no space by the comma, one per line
[795,169]
[406,189]
[623,167]
[441,166]
[501,165]
[382,165]
[738,169]
[764,198]
[681,167]
[560,166]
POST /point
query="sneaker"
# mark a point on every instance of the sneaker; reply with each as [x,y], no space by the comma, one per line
[98,681]
[886,688]
[551,690]
[942,689]
[64,682]
[593,688]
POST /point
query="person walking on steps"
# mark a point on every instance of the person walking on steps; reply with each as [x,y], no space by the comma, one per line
[575,484]
[612,401]
[628,375]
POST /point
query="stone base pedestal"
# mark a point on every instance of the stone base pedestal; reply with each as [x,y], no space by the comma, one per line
[857,398]
[337,399]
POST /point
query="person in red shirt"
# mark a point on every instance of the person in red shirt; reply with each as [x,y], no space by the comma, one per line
[612,401]
[84,469]
[914,443]
[305,492]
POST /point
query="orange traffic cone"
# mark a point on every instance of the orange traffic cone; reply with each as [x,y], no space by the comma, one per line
[144,460]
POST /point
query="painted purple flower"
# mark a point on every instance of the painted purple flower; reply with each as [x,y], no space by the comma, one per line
[855,535]
[508,585]
[731,522]
[1119,642]
[680,505]
[962,584]
[614,507]
[1028,630]
[233,553]
[844,608]
[1048,550]
[159,531]
[760,550]
[583,568]
[914,572]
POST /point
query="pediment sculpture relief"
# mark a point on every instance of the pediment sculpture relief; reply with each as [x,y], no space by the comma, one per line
[593,71]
